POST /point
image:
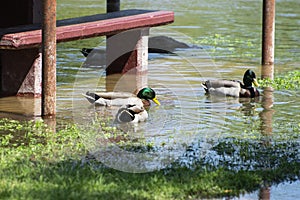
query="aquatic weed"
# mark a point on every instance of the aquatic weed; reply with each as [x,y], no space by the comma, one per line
[289,81]
[219,45]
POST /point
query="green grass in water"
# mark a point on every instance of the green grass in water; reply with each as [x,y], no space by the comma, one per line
[289,81]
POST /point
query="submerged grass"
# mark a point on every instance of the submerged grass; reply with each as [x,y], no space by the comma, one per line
[289,81]
[36,163]
[227,47]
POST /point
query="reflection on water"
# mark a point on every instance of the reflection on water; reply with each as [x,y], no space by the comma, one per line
[268,111]
[267,122]
[13,106]
[287,191]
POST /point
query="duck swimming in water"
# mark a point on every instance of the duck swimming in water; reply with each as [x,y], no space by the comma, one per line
[233,88]
[131,114]
[142,99]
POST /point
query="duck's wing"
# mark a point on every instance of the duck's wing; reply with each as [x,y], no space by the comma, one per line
[223,91]
[119,102]
[222,83]
[128,101]
[112,98]
[124,115]
[222,87]
[115,95]
[131,114]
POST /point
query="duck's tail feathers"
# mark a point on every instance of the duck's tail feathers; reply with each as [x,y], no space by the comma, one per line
[204,86]
[91,97]
[86,51]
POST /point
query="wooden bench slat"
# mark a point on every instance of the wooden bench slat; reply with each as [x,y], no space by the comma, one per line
[84,27]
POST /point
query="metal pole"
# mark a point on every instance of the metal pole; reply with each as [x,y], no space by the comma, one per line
[112,5]
[268,35]
[49,58]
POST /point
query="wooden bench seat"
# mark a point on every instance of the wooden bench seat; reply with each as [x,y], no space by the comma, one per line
[29,36]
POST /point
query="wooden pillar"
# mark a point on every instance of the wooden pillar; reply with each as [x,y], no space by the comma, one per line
[21,72]
[20,69]
[126,57]
[49,58]
[112,5]
[268,35]
[127,60]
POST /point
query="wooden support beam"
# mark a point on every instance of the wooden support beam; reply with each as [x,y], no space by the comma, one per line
[29,36]
[49,58]
[127,60]
[268,35]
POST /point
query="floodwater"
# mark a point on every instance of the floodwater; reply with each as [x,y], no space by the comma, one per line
[225,38]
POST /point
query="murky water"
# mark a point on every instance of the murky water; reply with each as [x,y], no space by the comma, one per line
[186,114]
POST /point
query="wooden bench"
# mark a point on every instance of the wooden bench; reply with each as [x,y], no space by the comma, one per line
[20,58]
[29,36]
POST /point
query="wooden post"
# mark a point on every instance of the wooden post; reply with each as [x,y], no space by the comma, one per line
[126,57]
[49,58]
[112,5]
[127,60]
[20,69]
[268,34]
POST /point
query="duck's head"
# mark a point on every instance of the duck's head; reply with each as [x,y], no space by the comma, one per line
[148,94]
[249,78]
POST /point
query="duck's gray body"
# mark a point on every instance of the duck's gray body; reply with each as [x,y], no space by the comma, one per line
[119,99]
[222,87]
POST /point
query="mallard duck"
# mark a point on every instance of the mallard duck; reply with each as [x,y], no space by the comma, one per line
[131,114]
[120,99]
[233,88]
[86,51]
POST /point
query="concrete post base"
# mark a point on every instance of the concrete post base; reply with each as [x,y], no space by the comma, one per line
[127,60]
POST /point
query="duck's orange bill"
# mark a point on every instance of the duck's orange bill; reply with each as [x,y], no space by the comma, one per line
[255,83]
[156,101]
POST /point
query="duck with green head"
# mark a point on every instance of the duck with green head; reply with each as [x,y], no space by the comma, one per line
[142,98]
[233,88]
